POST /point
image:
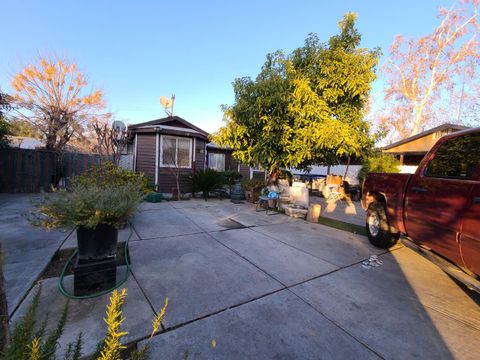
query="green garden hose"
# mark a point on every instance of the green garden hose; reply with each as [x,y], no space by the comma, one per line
[103,292]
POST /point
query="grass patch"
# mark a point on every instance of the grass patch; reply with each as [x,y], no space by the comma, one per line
[341,225]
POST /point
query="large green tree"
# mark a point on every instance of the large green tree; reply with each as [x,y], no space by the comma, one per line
[305,108]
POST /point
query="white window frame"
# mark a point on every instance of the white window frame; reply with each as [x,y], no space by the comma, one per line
[176,138]
[220,154]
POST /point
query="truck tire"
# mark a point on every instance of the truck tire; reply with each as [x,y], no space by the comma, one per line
[379,231]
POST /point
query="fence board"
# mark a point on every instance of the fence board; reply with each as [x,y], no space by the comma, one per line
[25,170]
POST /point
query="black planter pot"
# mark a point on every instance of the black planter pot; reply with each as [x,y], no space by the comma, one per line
[96,244]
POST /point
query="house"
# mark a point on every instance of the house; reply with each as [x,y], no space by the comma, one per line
[410,151]
[221,159]
[158,148]
[163,146]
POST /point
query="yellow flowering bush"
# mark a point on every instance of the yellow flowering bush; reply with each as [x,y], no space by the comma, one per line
[109,175]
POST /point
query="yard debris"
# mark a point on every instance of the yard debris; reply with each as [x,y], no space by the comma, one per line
[373,261]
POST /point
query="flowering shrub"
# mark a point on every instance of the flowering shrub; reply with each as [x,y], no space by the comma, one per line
[109,175]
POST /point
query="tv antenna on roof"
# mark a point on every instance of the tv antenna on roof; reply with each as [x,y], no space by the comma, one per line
[167,104]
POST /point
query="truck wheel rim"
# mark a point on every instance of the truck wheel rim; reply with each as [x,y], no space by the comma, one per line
[374,224]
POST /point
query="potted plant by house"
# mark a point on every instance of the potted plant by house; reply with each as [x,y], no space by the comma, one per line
[96,210]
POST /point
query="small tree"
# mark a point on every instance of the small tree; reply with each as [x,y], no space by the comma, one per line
[111,139]
[177,160]
[378,162]
[52,96]
[306,108]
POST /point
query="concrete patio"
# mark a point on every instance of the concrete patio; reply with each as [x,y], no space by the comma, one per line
[246,285]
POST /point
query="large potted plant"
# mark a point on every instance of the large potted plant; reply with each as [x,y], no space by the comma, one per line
[96,212]
[96,205]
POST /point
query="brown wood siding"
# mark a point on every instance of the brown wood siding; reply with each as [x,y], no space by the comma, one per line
[145,162]
[166,180]
[200,155]
[245,171]
[176,123]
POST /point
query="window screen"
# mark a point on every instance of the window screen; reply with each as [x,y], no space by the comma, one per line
[169,151]
[216,161]
[183,152]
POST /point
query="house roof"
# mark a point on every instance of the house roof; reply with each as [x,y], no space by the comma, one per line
[425,133]
[213,145]
[163,121]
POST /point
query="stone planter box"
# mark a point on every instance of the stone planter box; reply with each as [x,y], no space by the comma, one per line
[295,211]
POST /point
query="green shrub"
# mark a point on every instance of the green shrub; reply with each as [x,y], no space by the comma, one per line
[154,197]
[28,343]
[287,175]
[231,176]
[380,163]
[89,205]
[207,181]
[109,175]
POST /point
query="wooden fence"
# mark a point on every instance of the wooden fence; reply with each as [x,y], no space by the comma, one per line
[30,171]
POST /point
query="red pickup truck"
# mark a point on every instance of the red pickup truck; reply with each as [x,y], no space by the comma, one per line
[437,208]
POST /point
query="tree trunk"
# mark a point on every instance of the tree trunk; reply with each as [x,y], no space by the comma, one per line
[273,177]
[346,169]
[178,186]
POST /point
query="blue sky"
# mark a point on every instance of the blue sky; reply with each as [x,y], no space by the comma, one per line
[136,51]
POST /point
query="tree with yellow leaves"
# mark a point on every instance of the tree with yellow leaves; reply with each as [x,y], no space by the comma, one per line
[52,96]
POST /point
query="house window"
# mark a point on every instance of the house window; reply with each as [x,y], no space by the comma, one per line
[126,149]
[176,152]
[257,167]
[216,161]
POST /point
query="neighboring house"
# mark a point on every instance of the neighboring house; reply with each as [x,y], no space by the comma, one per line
[163,146]
[410,151]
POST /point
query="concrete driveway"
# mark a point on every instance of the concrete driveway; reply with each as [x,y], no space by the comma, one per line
[246,285]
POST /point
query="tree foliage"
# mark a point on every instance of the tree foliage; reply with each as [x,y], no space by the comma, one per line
[5,129]
[379,163]
[305,108]
[52,96]
[434,79]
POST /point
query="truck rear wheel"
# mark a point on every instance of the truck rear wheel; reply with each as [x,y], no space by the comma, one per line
[379,231]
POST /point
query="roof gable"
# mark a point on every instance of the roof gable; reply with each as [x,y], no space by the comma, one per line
[426,133]
[174,121]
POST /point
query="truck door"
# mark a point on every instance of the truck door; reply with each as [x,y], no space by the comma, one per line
[470,237]
[438,195]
